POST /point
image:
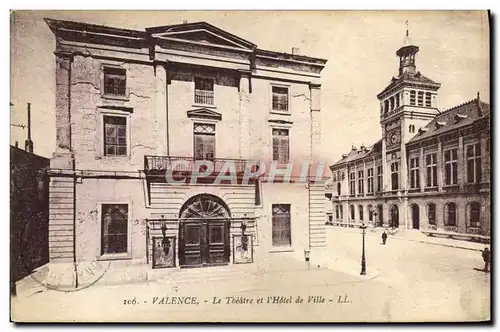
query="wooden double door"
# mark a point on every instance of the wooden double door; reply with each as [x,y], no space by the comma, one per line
[204,242]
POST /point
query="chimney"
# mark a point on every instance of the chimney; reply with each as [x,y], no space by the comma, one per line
[16,144]
[295,51]
[28,144]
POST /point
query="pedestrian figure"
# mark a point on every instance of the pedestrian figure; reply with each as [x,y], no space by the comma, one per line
[384,237]
[486,259]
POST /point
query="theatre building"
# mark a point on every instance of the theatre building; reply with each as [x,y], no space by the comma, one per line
[134,106]
[430,170]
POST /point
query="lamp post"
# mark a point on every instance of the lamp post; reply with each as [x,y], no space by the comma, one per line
[307,255]
[363,259]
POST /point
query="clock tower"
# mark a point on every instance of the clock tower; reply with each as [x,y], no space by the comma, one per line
[408,103]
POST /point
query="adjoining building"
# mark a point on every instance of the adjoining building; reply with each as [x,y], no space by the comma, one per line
[431,168]
[131,106]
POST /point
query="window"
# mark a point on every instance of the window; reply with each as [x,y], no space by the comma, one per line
[334,177]
[204,141]
[450,167]
[360,209]
[115,135]
[361,185]
[411,128]
[352,183]
[420,99]
[351,210]
[412,97]
[473,214]
[397,100]
[395,176]
[204,91]
[115,82]
[431,213]
[386,106]
[370,213]
[337,212]
[341,213]
[414,173]
[428,102]
[431,167]
[114,233]
[339,187]
[473,155]
[379,178]
[370,180]
[391,102]
[281,145]
[280,98]
[450,214]
[281,225]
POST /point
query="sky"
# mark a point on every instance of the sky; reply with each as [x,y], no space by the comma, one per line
[360,47]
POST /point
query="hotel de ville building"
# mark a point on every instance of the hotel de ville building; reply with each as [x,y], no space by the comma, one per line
[430,171]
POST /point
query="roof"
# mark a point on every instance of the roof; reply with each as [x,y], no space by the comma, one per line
[360,154]
[449,119]
[408,78]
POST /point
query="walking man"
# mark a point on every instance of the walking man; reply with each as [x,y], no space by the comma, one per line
[486,259]
[384,237]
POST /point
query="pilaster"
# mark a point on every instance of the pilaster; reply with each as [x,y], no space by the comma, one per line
[421,166]
[440,167]
[161,111]
[63,103]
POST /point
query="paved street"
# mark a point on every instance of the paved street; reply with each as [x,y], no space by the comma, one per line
[413,281]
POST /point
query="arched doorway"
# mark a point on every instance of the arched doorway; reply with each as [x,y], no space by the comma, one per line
[204,232]
[394,213]
[415,216]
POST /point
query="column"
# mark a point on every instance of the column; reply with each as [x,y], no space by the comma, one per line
[244,115]
[161,123]
[440,166]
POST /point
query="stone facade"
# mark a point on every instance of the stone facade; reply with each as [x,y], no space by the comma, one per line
[431,169]
[158,111]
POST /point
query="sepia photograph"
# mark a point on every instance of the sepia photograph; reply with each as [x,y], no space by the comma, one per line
[250,166]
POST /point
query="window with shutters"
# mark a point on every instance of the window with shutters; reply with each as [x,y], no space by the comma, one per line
[281,231]
[281,148]
[420,100]
[428,100]
[204,141]
[204,91]
[114,234]
[280,100]
[115,135]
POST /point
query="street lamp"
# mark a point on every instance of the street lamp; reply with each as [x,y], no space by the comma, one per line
[363,259]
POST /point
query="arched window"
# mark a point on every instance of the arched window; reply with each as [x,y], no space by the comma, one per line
[391,102]
[370,213]
[450,214]
[386,106]
[351,211]
[473,214]
[337,212]
[411,128]
[339,187]
[431,213]
[360,209]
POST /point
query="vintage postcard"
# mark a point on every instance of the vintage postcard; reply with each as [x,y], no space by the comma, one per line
[250,166]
